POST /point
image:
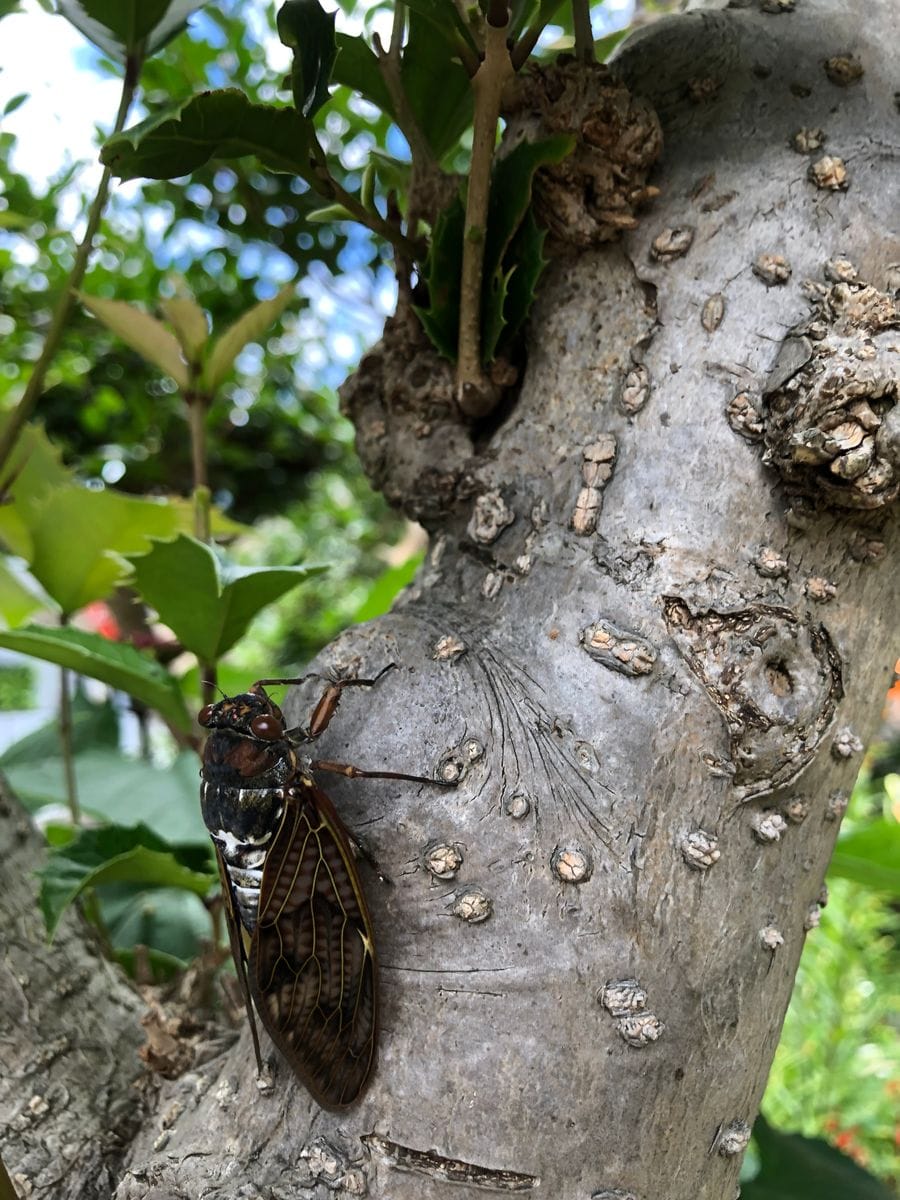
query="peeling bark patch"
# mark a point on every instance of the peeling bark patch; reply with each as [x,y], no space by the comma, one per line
[768,827]
[640,1031]
[775,679]
[615,1194]
[777,6]
[841,270]
[447,1170]
[732,1139]
[473,905]
[622,997]
[619,649]
[797,811]
[846,744]
[832,419]
[745,418]
[452,768]
[571,864]
[772,269]
[712,312]
[635,390]
[490,516]
[448,648]
[836,806]
[843,69]
[807,141]
[443,860]
[819,589]
[672,243]
[700,850]
[770,564]
[829,173]
[865,549]
[598,460]
[771,938]
[812,918]
[518,806]
[332,1168]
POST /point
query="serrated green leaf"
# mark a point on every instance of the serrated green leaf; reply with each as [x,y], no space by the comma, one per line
[20,596]
[142,333]
[308,30]
[76,533]
[94,726]
[802,1168]
[113,854]
[493,302]
[188,320]
[220,124]
[870,856]
[442,275]
[125,27]
[34,471]
[331,212]
[526,252]
[213,603]
[435,82]
[386,588]
[444,18]
[247,328]
[114,663]
[356,67]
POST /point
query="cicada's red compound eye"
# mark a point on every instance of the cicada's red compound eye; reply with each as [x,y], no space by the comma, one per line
[269,728]
[205,714]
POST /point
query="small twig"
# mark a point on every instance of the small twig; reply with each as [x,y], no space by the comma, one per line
[67,746]
[17,418]
[389,65]
[475,394]
[584,35]
[330,188]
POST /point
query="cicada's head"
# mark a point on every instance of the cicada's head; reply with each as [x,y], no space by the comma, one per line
[251,714]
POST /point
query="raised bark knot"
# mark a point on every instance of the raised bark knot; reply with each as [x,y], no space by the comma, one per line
[700,850]
[733,1138]
[472,905]
[626,1001]
[597,463]
[598,189]
[490,516]
[774,677]
[832,419]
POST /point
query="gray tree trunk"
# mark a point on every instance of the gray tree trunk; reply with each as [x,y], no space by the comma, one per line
[653,630]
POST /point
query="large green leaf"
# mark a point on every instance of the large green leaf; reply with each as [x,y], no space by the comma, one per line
[801,1168]
[308,30]
[527,253]
[125,27]
[76,533]
[386,588]
[116,854]
[870,856]
[247,328]
[221,124]
[125,791]
[356,67]
[94,726]
[143,333]
[20,596]
[118,665]
[212,603]
[434,80]
[444,19]
[442,275]
[35,470]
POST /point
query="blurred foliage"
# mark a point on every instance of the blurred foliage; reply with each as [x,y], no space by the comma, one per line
[16,688]
[837,1069]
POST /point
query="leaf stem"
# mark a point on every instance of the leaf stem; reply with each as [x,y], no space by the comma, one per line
[475,394]
[17,418]
[389,66]
[198,404]
[584,36]
[66,742]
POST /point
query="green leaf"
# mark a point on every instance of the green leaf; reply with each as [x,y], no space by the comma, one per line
[94,726]
[331,212]
[118,665]
[442,275]
[308,30]
[125,27]
[526,252]
[20,596]
[188,320]
[435,82]
[870,856]
[171,922]
[142,333]
[801,1168]
[386,588]
[444,18]
[113,854]
[356,67]
[13,103]
[221,124]
[125,791]
[247,328]
[213,603]
[34,471]
[76,533]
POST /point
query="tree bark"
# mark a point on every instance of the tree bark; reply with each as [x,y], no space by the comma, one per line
[651,635]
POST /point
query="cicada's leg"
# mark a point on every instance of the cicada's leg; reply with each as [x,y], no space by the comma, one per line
[327,705]
[351,772]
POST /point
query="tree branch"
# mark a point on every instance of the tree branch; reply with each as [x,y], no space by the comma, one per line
[584,35]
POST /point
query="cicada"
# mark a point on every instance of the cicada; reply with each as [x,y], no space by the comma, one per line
[300,930]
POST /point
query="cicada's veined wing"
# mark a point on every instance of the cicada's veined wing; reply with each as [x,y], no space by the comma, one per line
[312,955]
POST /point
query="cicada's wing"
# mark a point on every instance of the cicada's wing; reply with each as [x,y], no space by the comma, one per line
[236,937]
[312,956]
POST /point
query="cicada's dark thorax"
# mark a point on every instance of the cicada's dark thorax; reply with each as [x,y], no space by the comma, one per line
[242,802]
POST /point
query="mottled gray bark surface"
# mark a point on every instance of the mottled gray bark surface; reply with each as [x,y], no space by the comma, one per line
[652,632]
